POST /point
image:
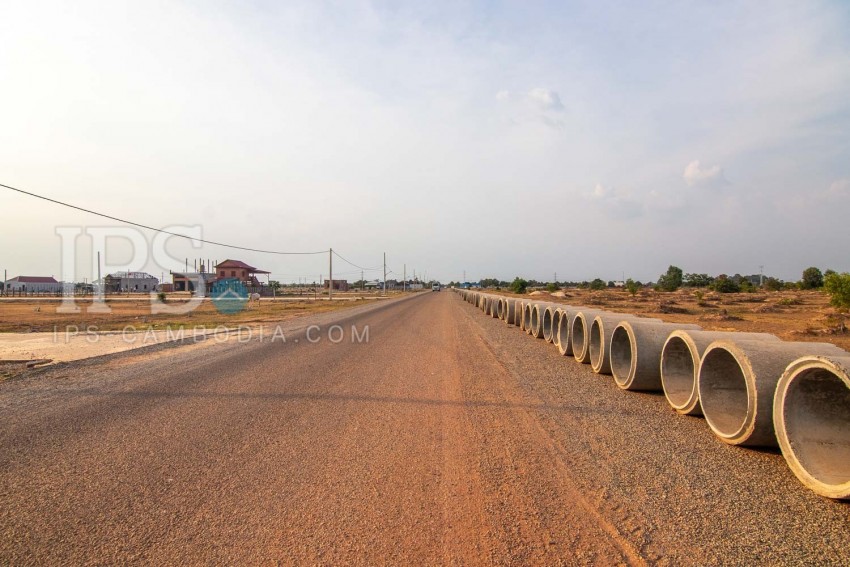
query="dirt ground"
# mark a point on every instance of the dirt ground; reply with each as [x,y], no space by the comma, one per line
[26,315]
[790,315]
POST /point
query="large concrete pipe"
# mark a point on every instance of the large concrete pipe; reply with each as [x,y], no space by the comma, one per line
[549,323]
[526,316]
[580,333]
[635,352]
[508,310]
[538,318]
[500,308]
[563,331]
[551,318]
[736,383]
[495,303]
[680,359]
[811,412]
[601,331]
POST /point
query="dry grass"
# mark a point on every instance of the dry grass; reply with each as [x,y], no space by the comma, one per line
[31,314]
[791,315]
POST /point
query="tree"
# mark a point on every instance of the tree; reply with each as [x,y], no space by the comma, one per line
[772,284]
[672,280]
[489,282]
[725,284]
[631,286]
[551,287]
[838,288]
[597,284]
[812,278]
[519,285]
[697,280]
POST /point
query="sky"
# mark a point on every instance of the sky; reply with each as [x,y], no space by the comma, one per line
[496,139]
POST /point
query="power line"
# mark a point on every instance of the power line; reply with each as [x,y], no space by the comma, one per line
[353,264]
[212,242]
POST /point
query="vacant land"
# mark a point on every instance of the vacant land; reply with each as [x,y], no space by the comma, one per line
[23,315]
[790,315]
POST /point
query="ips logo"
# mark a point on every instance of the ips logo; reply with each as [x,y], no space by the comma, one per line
[229,296]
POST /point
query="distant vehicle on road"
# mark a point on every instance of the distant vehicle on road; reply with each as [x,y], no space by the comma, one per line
[435,287]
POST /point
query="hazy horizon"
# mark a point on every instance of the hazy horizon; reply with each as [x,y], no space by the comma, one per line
[587,139]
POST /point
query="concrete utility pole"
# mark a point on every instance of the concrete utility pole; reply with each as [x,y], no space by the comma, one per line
[464,277]
[404,284]
[385,273]
[331,274]
[761,276]
[5,279]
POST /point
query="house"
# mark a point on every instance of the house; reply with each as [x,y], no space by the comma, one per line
[236,269]
[141,282]
[339,285]
[34,284]
[186,281]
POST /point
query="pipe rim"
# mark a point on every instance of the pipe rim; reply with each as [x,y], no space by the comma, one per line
[623,377]
[548,315]
[564,334]
[804,456]
[579,324]
[556,321]
[680,401]
[596,346]
[724,363]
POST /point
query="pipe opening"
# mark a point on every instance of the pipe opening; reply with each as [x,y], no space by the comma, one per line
[577,335]
[547,324]
[564,330]
[678,371]
[596,346]
[623,359]
[527,318]
[723,391]
[816,413]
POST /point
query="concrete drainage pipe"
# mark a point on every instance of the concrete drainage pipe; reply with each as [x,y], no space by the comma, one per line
[564,332]
[737,381]
[580,333]
[526,317]
[550,322]
[601,331]
[538,316]
[635,352]
[680,360]
[811,412]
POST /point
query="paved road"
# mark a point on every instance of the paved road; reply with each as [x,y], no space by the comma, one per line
[447,438]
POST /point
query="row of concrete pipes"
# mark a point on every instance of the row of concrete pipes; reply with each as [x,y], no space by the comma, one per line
[752,388]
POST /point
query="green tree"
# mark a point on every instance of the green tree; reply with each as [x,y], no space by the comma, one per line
[725,284]
[772,284]
[598,284]
[551,287]
[632,286]
[812,278]
[838,288]
[672,280]
[697,280]
[519,285]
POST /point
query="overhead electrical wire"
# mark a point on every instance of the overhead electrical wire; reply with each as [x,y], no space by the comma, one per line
[140,225]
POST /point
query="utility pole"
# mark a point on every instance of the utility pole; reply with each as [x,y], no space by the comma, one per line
[385,273]
[464,277]
[330,273]
[5,279]
[761,276]
[404,285]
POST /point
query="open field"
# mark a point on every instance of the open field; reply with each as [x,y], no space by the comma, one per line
[23,315]
[790,315]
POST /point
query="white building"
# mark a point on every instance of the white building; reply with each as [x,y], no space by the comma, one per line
[36,284]
[130,281]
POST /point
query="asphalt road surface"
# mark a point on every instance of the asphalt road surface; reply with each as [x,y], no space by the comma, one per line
[447,437]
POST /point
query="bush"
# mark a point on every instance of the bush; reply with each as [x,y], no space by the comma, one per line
[772,284]
[519,285]
[598,284]
[724,284]
[812,279]
[161,296]
[551,288]
[672,280]
[838,288]
[632,286]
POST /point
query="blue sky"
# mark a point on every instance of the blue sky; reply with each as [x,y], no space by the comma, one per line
[590,139]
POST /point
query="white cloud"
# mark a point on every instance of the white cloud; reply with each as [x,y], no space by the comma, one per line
[839,188]
[695,174]
[503,96]
[546,100]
